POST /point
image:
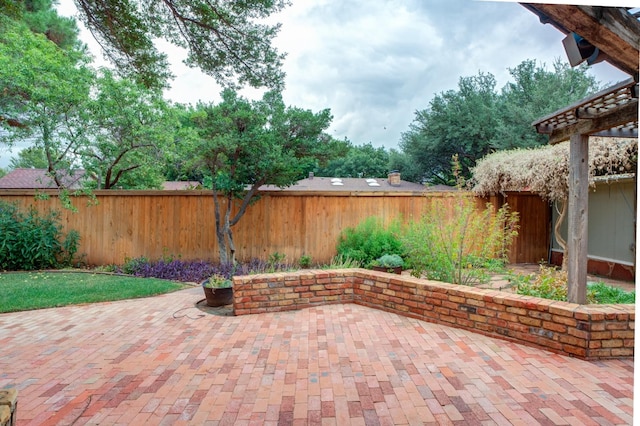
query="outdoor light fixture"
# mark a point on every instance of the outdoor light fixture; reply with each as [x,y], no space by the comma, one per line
[579,50]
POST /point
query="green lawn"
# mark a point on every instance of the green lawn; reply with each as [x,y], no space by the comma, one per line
[24,291]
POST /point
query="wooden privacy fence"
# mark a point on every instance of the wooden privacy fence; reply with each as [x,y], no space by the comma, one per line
[129,224]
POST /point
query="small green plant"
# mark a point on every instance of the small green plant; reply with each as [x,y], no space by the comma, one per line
[388,261]
[548,283]
[607,294]
[110,268]
[305,261]
[551,283]
[131,266]
[168,257]
[69,247]
[275,260]
[369,240]
[217,281]
[342,262]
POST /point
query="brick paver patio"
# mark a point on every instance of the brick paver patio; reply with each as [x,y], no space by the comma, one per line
[161,361]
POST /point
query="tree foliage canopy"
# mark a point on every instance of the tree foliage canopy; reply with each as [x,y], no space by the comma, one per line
[130,128]
[459,123]
[245,145]
[36,48]
[43,91]
[42,18]
[476,119]
[364,161]
[223,39]
[32,157]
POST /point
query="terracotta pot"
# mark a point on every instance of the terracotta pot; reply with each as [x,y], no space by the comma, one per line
[218,296]
[396,270]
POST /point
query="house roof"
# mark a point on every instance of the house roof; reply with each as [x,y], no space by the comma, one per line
[351,184]
[38,179]
[180,185]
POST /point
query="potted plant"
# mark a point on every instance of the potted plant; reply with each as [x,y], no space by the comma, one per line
[218,290]
[388,263]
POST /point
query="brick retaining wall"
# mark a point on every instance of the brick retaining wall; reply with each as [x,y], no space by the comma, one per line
[584,331]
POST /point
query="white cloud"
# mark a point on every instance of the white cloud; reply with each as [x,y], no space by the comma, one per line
[374,63]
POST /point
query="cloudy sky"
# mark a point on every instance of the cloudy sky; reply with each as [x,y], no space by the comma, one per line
[374,63]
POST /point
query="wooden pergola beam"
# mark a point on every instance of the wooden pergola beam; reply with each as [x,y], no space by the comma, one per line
[611,29]
[586,126]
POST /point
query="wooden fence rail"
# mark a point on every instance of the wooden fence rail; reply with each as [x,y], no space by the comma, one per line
[129,224]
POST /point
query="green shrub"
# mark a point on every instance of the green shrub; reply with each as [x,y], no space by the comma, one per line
[369,240]
[30,241]
[551,283]
[606,294]
[304,261]
[132,266]
[459,244]
[388,261]
[548,283]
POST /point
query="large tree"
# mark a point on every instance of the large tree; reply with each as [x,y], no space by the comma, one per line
[245,145]
[42,18]
[476,119]
[535,92]
[225,39]
[131,127]
[364,161]
[403,163]
[458,122]
[43,90]
[16,18]
[31,157]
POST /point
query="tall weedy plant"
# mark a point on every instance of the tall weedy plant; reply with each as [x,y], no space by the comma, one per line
[455,241]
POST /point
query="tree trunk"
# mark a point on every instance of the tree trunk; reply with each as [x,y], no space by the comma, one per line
[222,244]
[224,235]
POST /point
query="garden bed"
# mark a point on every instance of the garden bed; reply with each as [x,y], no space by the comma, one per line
[584,331]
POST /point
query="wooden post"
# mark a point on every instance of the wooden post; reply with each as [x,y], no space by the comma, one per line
[577,242]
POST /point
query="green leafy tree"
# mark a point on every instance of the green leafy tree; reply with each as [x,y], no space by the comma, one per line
[43,90]
[245,145]
[131,126]
[39,17]
[42,18]
[475,119]
[534,93]
[402,162]
[224,39]
[458,123]
[180,164]
[32,157]
[363,161]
